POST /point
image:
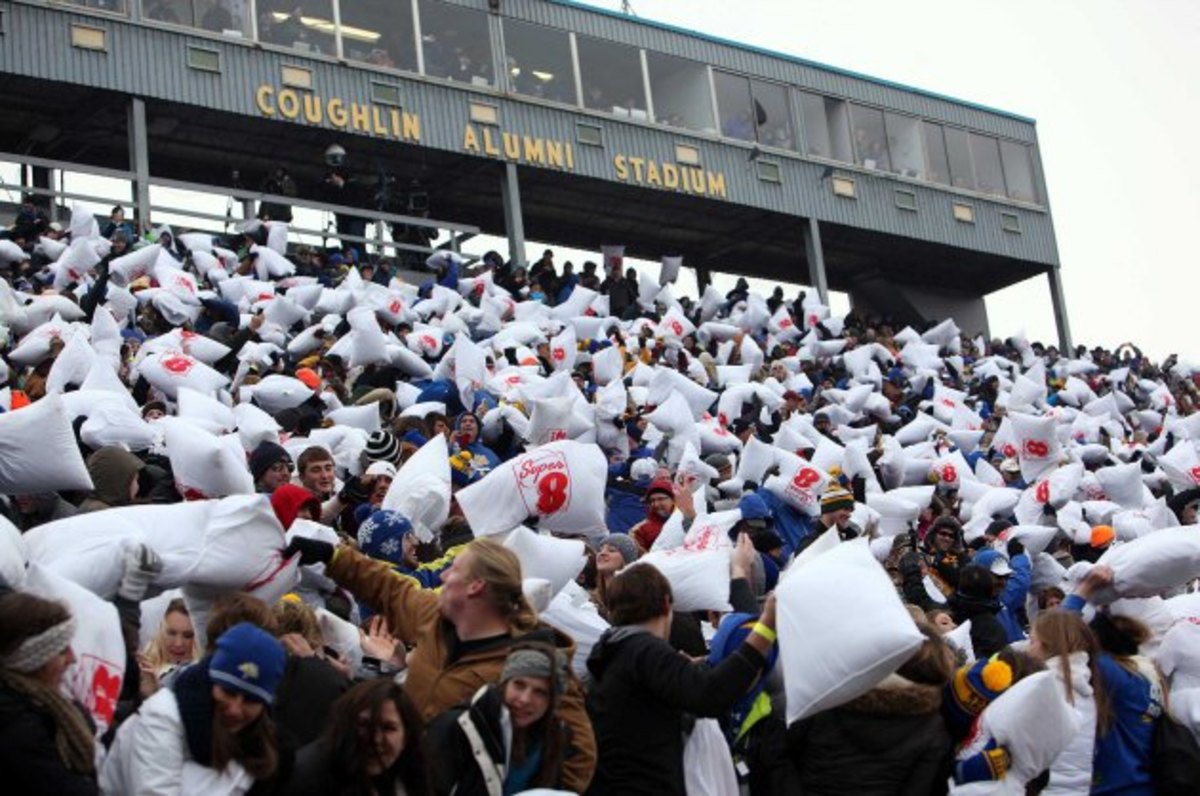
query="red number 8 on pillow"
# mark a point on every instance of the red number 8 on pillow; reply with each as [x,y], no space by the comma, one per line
[805,478]
[1037,448]
[552,492]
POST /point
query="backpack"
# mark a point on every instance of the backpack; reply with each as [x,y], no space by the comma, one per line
[1174,758]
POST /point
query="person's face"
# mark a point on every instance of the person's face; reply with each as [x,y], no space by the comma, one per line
[387,738]
[307,512]
[178,637]
[409,549]
[440,427]
[1188,515]
[234,710]
[277,475]
[779,372]
[380,488]
[51,673]
[154,414]
[943,540]
[458,584]
[25,503]
[528,699]
[842,517]
[319,477]
[118,216]
[725,473]
[1052,602]
[661,505]
[609,560]
[1035,648]
[944,623]
[468,428]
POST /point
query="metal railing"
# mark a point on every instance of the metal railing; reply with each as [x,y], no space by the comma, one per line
[380,220]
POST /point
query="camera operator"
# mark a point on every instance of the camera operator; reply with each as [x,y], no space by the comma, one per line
[340,188]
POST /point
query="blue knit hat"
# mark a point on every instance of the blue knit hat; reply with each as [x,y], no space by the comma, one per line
[381,536]
[753,507]
[249,661]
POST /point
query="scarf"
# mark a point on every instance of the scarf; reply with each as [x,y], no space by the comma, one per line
[72,735]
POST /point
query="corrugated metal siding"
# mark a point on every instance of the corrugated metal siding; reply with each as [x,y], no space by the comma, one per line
[152,64]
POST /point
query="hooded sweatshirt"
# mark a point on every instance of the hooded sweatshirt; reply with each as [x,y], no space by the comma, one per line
[111,468]
[1071,771]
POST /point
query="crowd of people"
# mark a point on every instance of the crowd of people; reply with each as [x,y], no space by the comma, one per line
[276,521]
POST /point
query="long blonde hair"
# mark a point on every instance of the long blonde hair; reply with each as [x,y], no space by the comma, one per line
[500,569]
[156,651]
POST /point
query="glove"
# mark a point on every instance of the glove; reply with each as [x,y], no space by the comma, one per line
[312,551]
[142,565]
[1015,548]
[353,492]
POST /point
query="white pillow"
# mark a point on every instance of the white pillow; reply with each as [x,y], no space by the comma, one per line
[168,371]
[38,452]
[558,561]
[94,679]
[831,657]
[421,489]
[231,544]
[699,578]
[560,482]
[1153,563]
[204,465]
[1033,721]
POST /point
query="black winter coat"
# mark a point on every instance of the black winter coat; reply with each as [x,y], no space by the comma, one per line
[987,634]
[889,742]
[29,757]
[639,692]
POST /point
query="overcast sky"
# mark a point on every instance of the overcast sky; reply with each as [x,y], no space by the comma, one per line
[1115,88]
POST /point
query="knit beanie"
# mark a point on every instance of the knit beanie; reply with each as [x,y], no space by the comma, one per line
[624,544]
[545,662]
[382,446]
[265,456]
[248,660]
[661,486]
[836,497]
[381,536]
[974,687]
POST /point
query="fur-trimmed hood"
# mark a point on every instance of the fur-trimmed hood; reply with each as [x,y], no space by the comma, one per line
[897,696]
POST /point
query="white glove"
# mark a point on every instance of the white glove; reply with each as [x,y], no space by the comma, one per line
[142,566]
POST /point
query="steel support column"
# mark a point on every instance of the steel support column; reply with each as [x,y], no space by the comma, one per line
[514,222]
[139,160]
[815,254]
[1060,311]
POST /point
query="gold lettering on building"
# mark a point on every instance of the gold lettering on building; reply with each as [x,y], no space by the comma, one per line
[317,111]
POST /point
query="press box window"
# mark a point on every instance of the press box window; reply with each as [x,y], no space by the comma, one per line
[769,171]
[589,134]
[304,25]
[538,62]
[385,94]
[1010,222]
[681,93]
[456,43]
[906,200]
[379,33]
[612,78]
[826,126]
[204,59]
